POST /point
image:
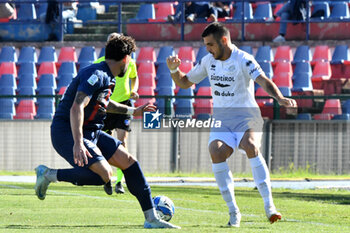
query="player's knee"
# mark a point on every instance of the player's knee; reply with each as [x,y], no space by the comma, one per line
[219,152]
[106,174]
[250,148]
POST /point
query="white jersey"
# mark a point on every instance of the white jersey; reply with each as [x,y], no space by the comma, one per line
[232,80]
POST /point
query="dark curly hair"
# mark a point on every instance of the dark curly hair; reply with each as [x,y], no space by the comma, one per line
[120,46]
[218,30]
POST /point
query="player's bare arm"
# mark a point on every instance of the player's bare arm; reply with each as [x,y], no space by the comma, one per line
[76,120]
[134,87]
[180,78]
[273,91]
[115,107]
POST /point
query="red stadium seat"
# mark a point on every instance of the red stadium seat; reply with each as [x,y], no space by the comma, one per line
[186,53]
[163,9]
[203,105]
[67,54]
[186,66]
[147,68]
[332,106]
[141,101]
[47,68]
[321,53]
[283,79]
[261,92]
[204,91]
[146,54]
[322,116]
[283,67]
[322,71]
[147,80]
[283,54]
[8,68]
[277,8]
[25,110]
[62,90]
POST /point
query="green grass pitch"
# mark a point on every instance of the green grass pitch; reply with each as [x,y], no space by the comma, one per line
[69,208]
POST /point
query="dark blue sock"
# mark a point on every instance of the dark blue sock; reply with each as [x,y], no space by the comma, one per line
[138,186]
[79,176]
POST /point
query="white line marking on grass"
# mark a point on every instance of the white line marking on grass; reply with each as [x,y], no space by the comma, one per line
[178,207]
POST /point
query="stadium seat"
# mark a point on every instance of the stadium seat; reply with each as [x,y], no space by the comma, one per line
[302,54]
[340,11]
[7,110]
[27,54]
[321,116]
[26,11]
[184,108]
[283,79]
[67,68]
[332,106]
[322,71]
[8,81]
[25,110]
[202,51]
[47,54]
[186,66]
[248,12]
[26,91]
[163,9]
[27,68]
[302,82]
[146,54]
[64,80]
[145,91]
[86,12]
[87,54]
[342,117]
[203,116]
[283,54]
[46,109]
[321,53]
[286,91]
[62,90]
[8,54]
[203,106]
[278,6]
[102,52]
[340,55]
[46,80]
[267,68]
[165,80]
[264,54]
[204,91]
[186,53]
[44,91]
[302,67]
[162,69]
[346,106]
[185,92]
[145,12]
[147,68]
[146,80]
[304,116]
[263,12]
[320,10]
[247,48]
[164,52]
[47,68]
[67,54]
[261,102]
[26,80]
[204,83]
[283,67]
[8,68]
[161,102]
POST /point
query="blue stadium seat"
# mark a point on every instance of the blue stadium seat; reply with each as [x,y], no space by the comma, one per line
[341,117]
[302,67]
[41,9]
[162,69]
[26,11]
[27,54]
[45,91]
[146,11]
[102,52]
[304,116]
[64,80]
[302,54]
[8,54]
[202,51]
[204,83]
[164,52]
[165,80]
[184,108]
[320,10]
[267,68]
[264,54]
[160,102]
[86,12]
[27,68]
[26,80]
[8,91]
[340,54]
[346,106]
[247,49]
[286,91]
[203,116]
[8,81]
[7,110]
[302,82]
[340,11]
[248,12]
[185,92]
[47,80]
[26,91]
[87,54]
[67,68]
[47,54]
[46,108]
[263,12]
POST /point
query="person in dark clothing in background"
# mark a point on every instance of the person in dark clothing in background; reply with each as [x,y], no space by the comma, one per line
[194,10]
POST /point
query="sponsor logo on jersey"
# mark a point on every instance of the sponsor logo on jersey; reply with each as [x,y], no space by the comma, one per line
[213,67]
[222,78]
[222,85]
[93,79]
[248,63]
[224,93]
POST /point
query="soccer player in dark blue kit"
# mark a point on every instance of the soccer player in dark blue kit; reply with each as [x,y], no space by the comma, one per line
[76,132]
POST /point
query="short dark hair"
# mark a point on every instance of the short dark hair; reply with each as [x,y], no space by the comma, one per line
[120,46]
[218,30]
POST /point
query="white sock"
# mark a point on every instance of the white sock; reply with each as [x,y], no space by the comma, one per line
[262,178]
[225,181]
[51,175]
[150,215]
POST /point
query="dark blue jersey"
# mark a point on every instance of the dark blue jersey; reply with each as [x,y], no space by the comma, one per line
[97,82]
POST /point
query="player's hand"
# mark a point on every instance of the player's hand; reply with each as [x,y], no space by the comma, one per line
[80,154]
[144,108]
[290,104]
[134,95]
[173,62]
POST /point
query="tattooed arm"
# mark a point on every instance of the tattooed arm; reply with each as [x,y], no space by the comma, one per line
[76,120]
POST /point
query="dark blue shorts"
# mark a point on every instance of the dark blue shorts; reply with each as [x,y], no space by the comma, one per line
[62,141]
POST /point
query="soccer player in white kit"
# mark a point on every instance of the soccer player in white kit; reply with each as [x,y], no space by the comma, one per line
[232,73]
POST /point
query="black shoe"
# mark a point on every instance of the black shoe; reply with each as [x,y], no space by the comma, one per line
[119,188]
[108,188]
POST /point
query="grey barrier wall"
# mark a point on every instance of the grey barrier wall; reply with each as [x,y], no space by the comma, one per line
[323,147]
